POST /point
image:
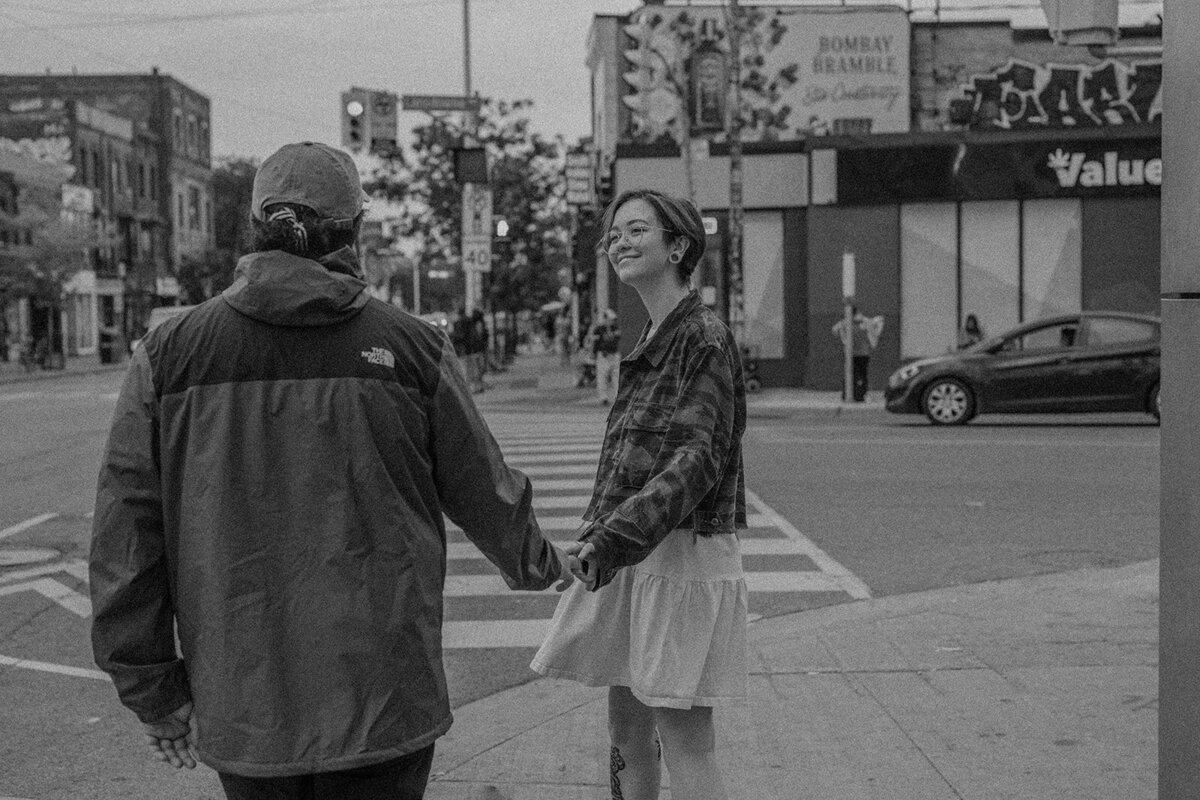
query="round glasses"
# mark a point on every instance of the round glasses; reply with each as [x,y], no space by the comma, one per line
[632,234]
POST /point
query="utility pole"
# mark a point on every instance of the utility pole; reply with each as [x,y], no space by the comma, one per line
[472,280]
[734,115]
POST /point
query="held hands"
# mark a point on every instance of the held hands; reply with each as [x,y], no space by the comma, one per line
[578,560]
[172,739]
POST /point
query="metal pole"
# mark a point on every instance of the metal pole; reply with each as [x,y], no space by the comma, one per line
[416,287]
[736,311]
[471,278]
[847,352]
[1179,568]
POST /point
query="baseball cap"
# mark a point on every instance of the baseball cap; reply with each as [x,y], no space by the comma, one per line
[309,174]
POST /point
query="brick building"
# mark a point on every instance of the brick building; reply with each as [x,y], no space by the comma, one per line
[141,144]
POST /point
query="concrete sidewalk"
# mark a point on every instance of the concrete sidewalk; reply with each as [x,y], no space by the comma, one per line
[13,372]
[536,380]
[1030,688]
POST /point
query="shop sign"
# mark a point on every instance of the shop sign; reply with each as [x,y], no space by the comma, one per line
[805,71]
[1106,167]
[1076,169]
[1022,95]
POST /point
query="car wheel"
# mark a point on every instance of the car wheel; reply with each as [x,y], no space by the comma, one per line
[1154,404]
[948,401]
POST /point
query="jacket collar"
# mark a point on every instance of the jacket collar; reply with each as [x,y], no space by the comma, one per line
[283,289]
[655,348]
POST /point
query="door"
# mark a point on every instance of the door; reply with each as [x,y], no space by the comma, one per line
[1117,362]
[1035,371]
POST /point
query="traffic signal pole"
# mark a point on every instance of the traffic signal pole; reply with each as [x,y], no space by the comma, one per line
[1179,524]
[472,279]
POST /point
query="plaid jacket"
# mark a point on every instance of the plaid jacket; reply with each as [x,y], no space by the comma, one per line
[672,456]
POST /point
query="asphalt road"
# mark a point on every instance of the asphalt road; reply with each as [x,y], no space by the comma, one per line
[861,502]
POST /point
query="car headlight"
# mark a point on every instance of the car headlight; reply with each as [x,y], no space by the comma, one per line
[905,373]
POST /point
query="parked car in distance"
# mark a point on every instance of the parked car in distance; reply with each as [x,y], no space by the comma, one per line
[159,315]
[1084,362]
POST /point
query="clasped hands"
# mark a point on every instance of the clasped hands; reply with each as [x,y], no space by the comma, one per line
[576,562]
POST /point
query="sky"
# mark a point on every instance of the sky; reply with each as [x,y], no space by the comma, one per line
[274,70]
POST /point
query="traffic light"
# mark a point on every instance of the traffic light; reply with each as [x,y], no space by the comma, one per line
[383,123]
[356,119]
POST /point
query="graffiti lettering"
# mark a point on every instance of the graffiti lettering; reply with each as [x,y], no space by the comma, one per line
[1021,95]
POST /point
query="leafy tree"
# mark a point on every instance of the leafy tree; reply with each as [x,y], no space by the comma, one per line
[527,192]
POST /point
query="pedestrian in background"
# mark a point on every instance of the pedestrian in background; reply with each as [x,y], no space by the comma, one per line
[477,347]
[562,337]
[606,342]
[660,614]
[864,336]
[970,333]
[273,488]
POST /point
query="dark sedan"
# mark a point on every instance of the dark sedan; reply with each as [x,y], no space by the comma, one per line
[1091,361]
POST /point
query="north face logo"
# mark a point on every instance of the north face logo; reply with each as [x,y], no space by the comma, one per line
[378,355]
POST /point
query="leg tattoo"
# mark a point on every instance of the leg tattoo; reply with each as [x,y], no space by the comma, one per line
[615,765]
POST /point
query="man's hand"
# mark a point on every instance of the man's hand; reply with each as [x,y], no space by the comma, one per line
[581,566]
[173,738]
[565,575]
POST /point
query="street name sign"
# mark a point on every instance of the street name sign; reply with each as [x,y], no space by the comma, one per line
[439,102]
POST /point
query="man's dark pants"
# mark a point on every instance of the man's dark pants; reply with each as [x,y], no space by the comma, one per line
[859,367]
[401,778]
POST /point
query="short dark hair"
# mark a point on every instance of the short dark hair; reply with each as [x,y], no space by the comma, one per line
[296,229]
[678,215]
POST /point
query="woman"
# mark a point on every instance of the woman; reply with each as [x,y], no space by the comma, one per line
[660,613]
[971,332]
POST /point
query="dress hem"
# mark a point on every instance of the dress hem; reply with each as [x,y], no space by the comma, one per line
[652,701]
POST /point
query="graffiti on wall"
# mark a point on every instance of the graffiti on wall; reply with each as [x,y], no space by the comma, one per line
[1021,95]
[803,72]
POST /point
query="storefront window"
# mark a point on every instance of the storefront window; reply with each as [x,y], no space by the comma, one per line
[1052,257]
[762,282]
[929,282]
[991,263]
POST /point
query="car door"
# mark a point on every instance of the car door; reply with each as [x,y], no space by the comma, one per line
[1117,362]
[1033,370]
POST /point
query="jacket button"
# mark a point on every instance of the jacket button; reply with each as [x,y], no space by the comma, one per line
[715,521]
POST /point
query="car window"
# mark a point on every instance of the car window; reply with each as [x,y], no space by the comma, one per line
[1064,334]
[1111,330]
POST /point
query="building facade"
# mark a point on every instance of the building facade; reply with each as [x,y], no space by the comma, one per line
[141,144]
[1022,180]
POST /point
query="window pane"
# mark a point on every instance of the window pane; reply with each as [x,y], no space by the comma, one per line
[1106,330]
[1053,266]
[990,263]
[762,281]
[1054,336]
[928,290]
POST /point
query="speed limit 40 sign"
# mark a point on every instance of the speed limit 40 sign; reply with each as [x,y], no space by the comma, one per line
[477,255]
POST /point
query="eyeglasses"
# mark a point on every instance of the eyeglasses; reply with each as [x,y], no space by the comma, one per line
[633,234]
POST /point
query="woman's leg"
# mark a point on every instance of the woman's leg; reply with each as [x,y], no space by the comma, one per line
[689,744]
[634,760]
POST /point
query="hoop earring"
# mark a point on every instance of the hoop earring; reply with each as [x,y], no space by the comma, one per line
[672,258]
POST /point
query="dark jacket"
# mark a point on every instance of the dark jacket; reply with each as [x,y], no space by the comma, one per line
[672,456]
[274,483]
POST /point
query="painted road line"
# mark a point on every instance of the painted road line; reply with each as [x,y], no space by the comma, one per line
[566,485]
[477,634]
[77,568]
[552,458]
[60,669]
[955,442]
[465,551]
[760,582]
[27,524]
[571,523]
[51,589]
[563,470]
[846,580]
[548,447]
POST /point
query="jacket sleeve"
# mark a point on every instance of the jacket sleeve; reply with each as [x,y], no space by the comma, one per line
[133,622]
[694,451]
[492,503]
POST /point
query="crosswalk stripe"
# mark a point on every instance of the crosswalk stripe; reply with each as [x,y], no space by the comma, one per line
[473,634]
[465,551]
[548,447]
[571,523]
[559,469]
[800,581]
[571,484]
[516,460]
